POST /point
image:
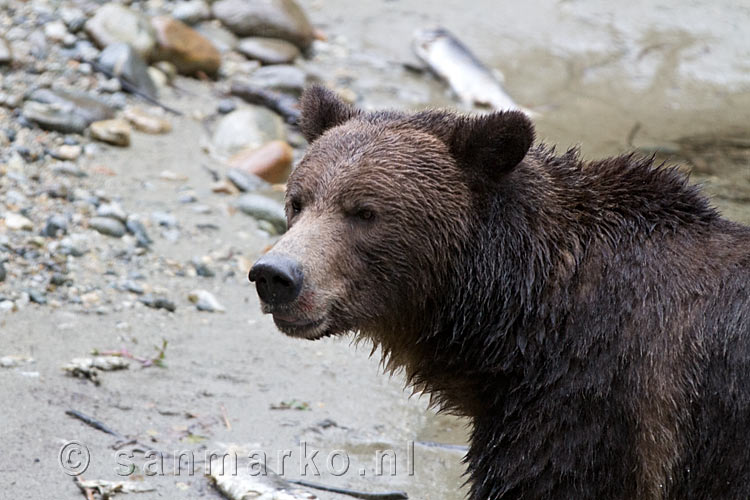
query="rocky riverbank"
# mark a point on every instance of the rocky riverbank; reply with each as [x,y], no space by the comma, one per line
[143,151]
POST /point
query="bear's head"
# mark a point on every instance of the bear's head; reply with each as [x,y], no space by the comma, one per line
[379,209]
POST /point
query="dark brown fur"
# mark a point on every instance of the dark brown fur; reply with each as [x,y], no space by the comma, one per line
[593,319]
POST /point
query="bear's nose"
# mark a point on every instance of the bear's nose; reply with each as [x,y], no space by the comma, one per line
[278,279]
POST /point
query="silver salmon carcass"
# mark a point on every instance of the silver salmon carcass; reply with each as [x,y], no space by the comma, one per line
[452,61]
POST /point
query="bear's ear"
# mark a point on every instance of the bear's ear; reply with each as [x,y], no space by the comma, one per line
[493,143]
[321,110]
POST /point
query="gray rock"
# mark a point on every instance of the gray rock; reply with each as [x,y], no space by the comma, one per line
[85,106]
[59,279]
[226,106]
[264,209]
[107,226]
[268,50]
[132,287]
[37,297]
[3,272]
[282,78]
[202,269]
[68,168]
[223,39]
[85,50]
[249,127]
[6,54]
[137,229]
[270,18]
[56,225]
[73,18]
[157,302]
[122,60]
[52,117]
[112,210]
[191,12]
[245,181]
[114,23]
[75,245]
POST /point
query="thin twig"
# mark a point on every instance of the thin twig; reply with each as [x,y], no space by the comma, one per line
[225,417]
[96,424]
[129,86]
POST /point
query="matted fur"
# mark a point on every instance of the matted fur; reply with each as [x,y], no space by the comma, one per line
[593,319]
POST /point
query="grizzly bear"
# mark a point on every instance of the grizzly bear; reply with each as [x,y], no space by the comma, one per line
[591,318]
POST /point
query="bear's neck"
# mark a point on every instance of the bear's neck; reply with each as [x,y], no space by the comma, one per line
[503,299]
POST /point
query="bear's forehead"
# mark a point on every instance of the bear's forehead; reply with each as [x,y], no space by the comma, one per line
[366,159]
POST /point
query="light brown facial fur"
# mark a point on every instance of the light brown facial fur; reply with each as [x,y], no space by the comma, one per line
[364,208]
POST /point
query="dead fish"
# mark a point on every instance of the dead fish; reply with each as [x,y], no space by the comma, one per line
[266,485]
[452,61]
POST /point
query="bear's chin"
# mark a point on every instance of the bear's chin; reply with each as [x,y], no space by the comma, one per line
[313,330]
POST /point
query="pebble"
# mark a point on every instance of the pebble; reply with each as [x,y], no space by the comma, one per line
[271,162]
[268,50]
[83,105]
[108,226]
[114,23]
[247,127]
[115,132]
[67,168]
[158,302]
[226,106]
[132,287]
[123,60]
[184,47]
[6,54]
[68,152]
[112,210]
[75,245]
[17,222]
[202,269]
[56,31]
[164,219]
[7,306]
[205,301]
[146,122]
[56,225]
[263,208]
[137,229]
[59,279]
[73,18]
[3,272]
[191,12]
[282,78]
[52,117]
[245,181]
[270,18]
[224,187]
[223,39]
[37,297]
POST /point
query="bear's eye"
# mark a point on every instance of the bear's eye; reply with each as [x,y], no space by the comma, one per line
[365,214]
[296,207]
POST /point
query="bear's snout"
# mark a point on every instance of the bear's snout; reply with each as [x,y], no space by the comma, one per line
[277,278]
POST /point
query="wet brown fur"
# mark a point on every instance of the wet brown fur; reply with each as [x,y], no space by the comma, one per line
[592,319]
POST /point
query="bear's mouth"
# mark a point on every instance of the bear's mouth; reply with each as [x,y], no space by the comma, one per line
[306,328]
